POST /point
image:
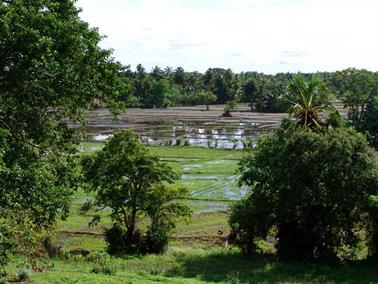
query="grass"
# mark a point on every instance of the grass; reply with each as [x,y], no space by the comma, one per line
[210,265]
[197,251]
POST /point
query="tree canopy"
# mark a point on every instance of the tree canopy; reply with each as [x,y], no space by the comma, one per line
[310,186]
[51,69]
[131,182]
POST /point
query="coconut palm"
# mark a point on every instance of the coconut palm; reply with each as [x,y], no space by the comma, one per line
[304,110]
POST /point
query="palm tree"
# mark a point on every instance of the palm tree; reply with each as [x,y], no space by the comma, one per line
[306,114]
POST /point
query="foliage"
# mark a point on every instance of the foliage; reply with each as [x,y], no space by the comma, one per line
[206,98]
[308,186]
[102,263]
[306,111]
[51,68]
[359,92]
[132,182]
[230,105]
[370,119]
[6,243]
[372,209]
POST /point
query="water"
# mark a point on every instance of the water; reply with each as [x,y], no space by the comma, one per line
[232,135]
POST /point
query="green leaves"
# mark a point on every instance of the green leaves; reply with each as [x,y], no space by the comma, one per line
[359,93]
[206,98]
[50,68]
[310,186]
[305,91]
[133,183]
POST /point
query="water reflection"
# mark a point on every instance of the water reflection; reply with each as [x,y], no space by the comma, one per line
[206,134]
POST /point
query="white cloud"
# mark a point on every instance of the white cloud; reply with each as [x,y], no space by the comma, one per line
[269,36]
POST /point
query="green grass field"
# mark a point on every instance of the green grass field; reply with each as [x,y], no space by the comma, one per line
[197,253]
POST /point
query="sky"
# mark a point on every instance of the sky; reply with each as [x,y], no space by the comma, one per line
[267,36]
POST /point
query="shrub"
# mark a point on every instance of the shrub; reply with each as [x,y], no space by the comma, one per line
[107,269]
[102,263]
[6,244]
[372,208]
[114,237]
[157,240]
[98,257]
[22,275]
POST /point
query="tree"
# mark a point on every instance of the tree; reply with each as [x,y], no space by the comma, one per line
[206,98]
[50,68]
[310,187]
[358,91]
[370,120]
[160,91]
[142,87]
[230,106]
[305,110]
[249,91]
[132,182]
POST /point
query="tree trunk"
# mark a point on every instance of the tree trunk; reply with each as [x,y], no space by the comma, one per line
[131,228]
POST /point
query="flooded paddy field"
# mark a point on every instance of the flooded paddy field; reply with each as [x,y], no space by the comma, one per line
[211,175]
[186,126]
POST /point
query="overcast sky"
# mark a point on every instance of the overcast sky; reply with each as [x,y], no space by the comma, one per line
[268,36]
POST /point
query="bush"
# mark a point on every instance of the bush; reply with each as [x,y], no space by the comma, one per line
[6,244]
[372,208]
[102,263]
[108,269]
[114,237]
[157,240]
[311,187]
[98,257]
[22,275]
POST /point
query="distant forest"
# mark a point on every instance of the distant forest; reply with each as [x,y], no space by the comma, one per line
[170,87]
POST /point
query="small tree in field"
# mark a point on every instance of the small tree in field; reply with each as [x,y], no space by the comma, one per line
[311,187]
[130,181]
[206,98]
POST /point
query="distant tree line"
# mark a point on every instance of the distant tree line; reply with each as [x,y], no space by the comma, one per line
[265,93]
[357,89]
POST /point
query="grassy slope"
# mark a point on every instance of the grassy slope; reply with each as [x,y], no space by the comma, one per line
[196,253]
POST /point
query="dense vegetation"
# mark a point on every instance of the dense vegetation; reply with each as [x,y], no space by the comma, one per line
[313,184]
[356,89]
[311,188]
[50,68]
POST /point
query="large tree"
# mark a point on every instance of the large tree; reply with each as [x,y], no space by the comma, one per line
[309,187]
[51,69]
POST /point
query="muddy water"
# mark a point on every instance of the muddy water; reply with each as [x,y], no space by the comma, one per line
[183,127]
